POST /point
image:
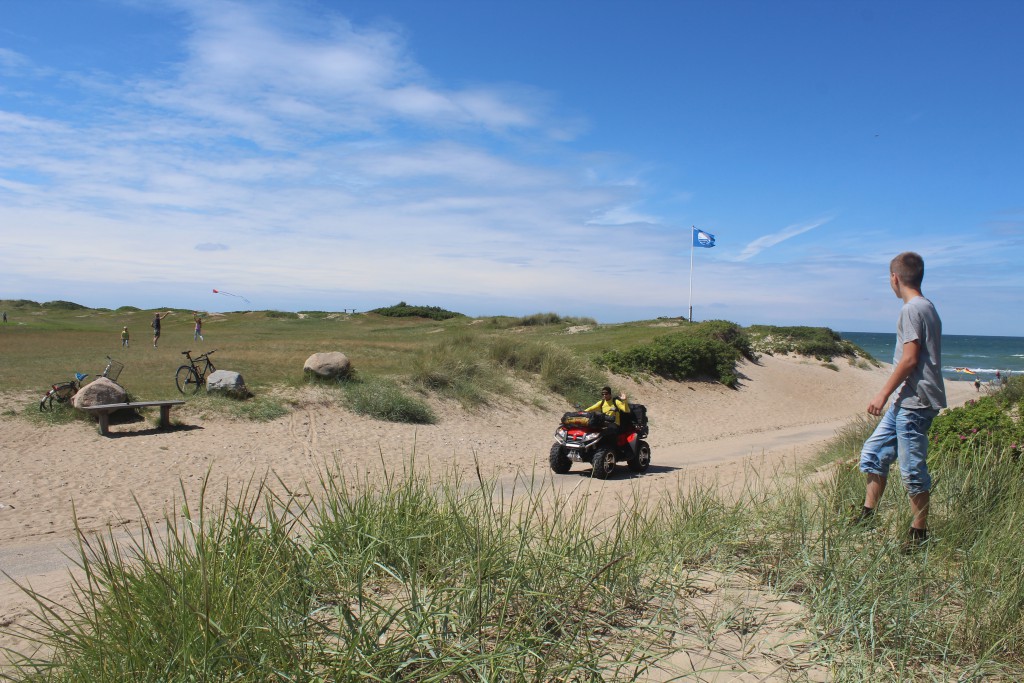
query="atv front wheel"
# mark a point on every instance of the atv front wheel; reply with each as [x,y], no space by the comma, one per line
[604,464]
[559,461]
[642,460]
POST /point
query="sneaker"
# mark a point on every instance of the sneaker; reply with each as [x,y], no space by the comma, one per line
[915,541]
[862,517]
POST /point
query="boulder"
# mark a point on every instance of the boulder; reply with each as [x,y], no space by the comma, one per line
[329,365]
[100,391]
[226,382]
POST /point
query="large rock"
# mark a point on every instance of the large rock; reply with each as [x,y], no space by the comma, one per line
[226,382]
[101,391]
[329,365]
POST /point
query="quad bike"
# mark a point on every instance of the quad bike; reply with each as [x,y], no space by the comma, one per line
[589,437]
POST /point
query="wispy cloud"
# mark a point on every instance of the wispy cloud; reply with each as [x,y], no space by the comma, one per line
[790,231]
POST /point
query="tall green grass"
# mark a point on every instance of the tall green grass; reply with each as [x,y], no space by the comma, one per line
[473,367]
[407,576]
[412,578]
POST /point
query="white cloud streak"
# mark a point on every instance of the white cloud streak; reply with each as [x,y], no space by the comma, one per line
[789,232]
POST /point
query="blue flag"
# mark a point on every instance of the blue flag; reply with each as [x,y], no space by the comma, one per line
[703,239]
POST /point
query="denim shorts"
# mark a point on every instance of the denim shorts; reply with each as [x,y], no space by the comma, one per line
[901,435]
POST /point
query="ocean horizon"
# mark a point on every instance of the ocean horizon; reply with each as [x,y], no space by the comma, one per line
[983,356]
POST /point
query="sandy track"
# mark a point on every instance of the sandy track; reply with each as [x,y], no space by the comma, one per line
[785,408]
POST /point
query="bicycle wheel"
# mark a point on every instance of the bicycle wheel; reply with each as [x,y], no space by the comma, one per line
[187,380]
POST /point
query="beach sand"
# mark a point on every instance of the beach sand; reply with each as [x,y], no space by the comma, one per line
[785,409]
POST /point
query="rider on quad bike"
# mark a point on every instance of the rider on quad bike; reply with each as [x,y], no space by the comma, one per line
[605,433]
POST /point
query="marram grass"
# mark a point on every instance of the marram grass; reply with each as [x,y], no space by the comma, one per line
[408,577]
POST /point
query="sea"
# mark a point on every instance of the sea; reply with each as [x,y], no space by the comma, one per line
[982,356]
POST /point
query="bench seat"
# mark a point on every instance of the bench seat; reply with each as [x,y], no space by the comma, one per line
[103,411]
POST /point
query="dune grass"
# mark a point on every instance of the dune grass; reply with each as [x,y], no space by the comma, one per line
[411,577]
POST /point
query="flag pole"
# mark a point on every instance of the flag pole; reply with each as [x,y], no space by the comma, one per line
[690,300]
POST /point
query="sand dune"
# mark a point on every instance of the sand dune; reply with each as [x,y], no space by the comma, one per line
[785,407]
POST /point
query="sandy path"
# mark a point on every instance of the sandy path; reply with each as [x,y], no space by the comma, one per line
[784,408]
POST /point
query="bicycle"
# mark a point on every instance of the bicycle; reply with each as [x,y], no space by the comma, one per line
[63,392]
[192,376]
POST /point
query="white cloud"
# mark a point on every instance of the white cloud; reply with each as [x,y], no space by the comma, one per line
[790,231]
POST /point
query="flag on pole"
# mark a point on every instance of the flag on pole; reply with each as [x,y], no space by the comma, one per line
[703,239]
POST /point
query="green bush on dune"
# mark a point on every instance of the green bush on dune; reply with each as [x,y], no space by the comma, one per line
[537,319]
[710,350]
[991,423]
[816,342]
[404,310]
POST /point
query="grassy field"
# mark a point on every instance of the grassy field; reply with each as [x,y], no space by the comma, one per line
[399,580]
[465,358]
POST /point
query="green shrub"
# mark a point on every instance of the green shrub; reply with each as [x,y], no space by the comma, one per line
[817,342]
[64,306]
[288,315]
[711,350]
[536,320]
[985,422]
[404,310]
[20,303]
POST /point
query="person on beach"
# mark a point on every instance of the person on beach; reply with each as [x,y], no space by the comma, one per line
[157,317]
[916,379]
[198,333]
[124,336]
[612,409]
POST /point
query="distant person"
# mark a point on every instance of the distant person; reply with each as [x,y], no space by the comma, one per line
[5,317]
[977,385]
[916,379]
[124,336]
[157,317]
[198,333]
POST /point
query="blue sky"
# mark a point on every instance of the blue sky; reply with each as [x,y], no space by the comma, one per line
[516,157]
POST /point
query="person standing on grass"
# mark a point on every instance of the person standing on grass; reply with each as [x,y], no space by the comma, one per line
[916,379]
[124,336]
[198,333]
[157,317]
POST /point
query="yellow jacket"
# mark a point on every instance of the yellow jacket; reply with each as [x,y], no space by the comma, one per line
[614,408]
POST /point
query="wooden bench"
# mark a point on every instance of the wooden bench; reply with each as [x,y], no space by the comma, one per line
[103,412]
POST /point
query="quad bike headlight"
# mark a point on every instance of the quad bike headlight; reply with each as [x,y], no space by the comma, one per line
[560,435]
[591,437]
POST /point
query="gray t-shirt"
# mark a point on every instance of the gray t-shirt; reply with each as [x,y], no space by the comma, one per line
[919,321]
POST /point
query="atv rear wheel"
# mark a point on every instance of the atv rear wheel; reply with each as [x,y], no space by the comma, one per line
[642,460]
[559,461]
[604,464]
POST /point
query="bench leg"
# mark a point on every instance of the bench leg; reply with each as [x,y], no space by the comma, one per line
[165,417]
[104,424]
